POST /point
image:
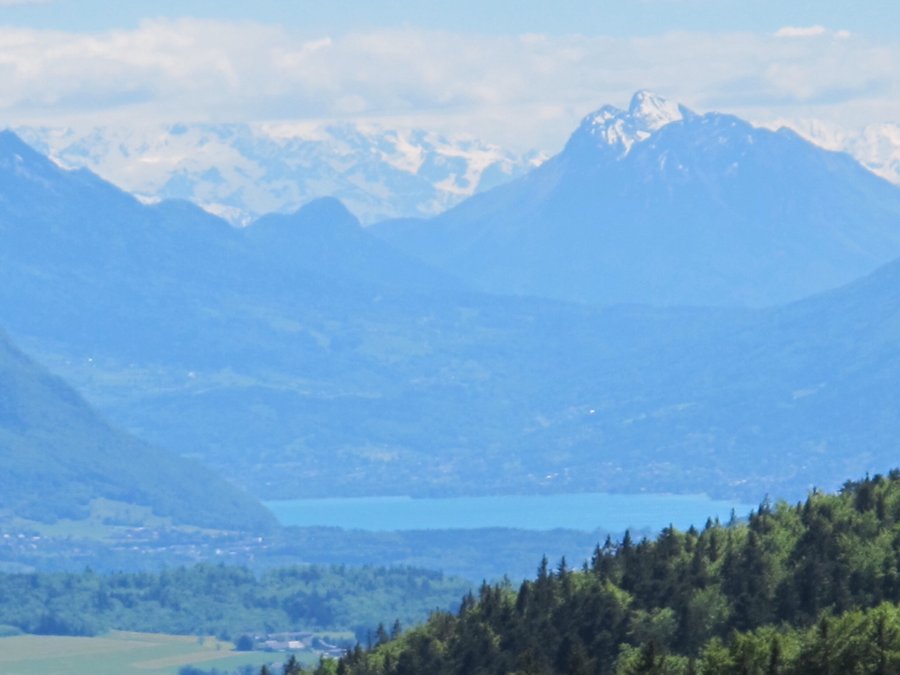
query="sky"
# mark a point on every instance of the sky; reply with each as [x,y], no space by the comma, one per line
[520,74]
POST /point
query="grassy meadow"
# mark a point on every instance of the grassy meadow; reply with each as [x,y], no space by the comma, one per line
[122,653]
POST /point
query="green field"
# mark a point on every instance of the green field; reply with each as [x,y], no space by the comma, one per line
[122,653]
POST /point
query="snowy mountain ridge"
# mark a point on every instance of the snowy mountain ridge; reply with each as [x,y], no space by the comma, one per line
[875,146]
[621,129]
[243,171]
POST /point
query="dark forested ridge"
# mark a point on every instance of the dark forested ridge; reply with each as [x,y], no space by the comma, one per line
[810,588]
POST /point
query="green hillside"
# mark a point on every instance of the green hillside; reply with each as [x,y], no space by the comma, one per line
[57,457]
[227,601]
[810,588]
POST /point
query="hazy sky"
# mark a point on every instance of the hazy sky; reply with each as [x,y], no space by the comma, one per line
[519,73]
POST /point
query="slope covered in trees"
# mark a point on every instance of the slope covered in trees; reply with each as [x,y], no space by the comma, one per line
[227,601]
[57,458]
[811,588]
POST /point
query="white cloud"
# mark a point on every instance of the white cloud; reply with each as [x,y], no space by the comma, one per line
[811,32]
[800,31]
[519,91]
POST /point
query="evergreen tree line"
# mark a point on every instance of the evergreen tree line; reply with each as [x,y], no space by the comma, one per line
[808,588]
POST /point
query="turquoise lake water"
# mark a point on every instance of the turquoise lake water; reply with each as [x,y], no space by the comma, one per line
[588,512]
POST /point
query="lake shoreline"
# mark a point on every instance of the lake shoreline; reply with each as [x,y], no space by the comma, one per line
[585,512]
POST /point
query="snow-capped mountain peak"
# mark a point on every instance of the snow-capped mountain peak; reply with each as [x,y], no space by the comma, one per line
[621,129]
[653,110]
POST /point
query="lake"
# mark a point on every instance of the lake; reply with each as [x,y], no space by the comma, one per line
[588,512]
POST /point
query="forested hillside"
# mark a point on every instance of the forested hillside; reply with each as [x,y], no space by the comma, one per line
[226,601]
[810,588]
[60,460]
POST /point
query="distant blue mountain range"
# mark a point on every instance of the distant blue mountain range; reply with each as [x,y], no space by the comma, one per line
[304,356]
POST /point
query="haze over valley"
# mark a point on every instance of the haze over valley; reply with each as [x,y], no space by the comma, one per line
[309,322]
[297,355]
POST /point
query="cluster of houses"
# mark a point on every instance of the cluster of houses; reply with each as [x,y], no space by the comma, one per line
[296,642]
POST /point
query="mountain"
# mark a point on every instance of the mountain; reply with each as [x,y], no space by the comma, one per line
[301,357]
[325,239]
[242,172]
[99,268]
[58,458]
[168,299]
[657,204]
[81,258]
[875,146]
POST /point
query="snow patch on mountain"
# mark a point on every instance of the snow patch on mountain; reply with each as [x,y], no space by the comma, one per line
[242,171]
[875,146]
[621,129]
